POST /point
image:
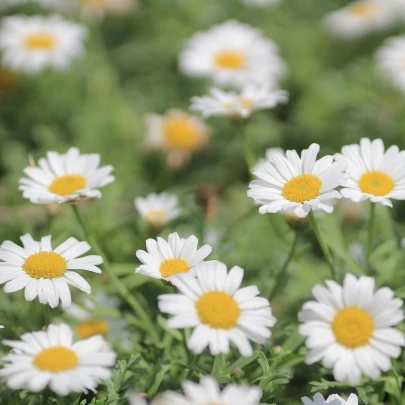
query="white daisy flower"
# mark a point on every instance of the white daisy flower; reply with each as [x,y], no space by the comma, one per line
[374,174]
[332,400]
[51,359]
[177,133]
[158,209]
[300,184]
[218,309]
[250,99]
[350,328]
[65,178]
[32,44]
[268,155]
[260,3]
[166,259]
[232,54]
[44,272]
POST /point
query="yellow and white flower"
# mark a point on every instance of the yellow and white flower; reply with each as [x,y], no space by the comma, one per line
[375,174]
[232,54]
[165,259]
[44,272]
[32,44]
[218,309]
[65,178]
[331,400]
[350,328]
[51,359]
[299,184]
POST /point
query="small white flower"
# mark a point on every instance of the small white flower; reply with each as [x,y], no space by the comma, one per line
[218,309]
[268,156]
[251,98]
[260,3]
[350,328]
[32,44]
[375,174]
[166,259]
[232,54]
[297,183]
[51,359]
[65,178]
[44,272]
[332,400]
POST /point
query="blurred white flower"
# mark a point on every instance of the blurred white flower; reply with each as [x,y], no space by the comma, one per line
[331,400]
[260,3]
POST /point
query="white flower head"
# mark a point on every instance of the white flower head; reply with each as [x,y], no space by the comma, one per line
[332,400]
[260,3]
[65,178]
[32,44]
[350,328]
[218,309]
[375,174]
[232,54]
[299,184]
[44,272]
[51,359]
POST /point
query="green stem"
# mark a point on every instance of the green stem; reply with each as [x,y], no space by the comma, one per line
[370,237]
[194,362]
[247,147]
[217,367]
[323,245]
[47,315]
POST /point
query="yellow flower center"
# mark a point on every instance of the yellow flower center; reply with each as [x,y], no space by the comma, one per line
[353,327]
[56,359]
[246,102]
[157,218]
[218,310]
[364,9]
[171,267]
[181,133]
[92,327]
[376,183]
[302,188]
[229,59]
[45,265]
[66,185]
[40,41]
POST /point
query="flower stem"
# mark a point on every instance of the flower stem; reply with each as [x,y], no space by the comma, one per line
[194,362]
[47,315]
[370,237]
[217,367]
[247,147]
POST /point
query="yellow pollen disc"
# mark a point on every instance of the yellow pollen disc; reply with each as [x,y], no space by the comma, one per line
[45,265]
[246,102]
[157,218]
[230,59]
[40,41]
[353,327]
[181,133]
[376,183]
[302,188]
[56,359]
[364,9]
[171,267]
[218,310]
[92,327]
[66,185]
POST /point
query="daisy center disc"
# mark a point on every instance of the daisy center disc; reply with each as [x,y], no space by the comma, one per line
[66,185]
[156,218]
[218,310]
[56,359]
[45,265]
[302,188]
[364,9]
[353,327]
[229,59]
[181,133]
[246,102]
[171,267]
[92,327]
[40,41]
[376,183]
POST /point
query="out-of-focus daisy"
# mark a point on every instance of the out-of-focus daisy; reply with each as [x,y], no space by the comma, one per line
[375,174]
[260,3]
[65,178]
[251,98]
[51,359]
[166,259]
[177,133]
[44,272]
[32,44]
[232,54]
[268,154]
[297,183]
[218,309]
[350,328]
[158,209]
[331,400]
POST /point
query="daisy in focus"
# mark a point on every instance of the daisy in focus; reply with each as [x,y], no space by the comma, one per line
[375,174]
[51,359]
[243,104]
[350,328]
[331,400]
[44,272]
[33,44]
[178,134]
[65,178]
[232,54]
[298,184]
[158,209]
[166,259]
[218,309]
